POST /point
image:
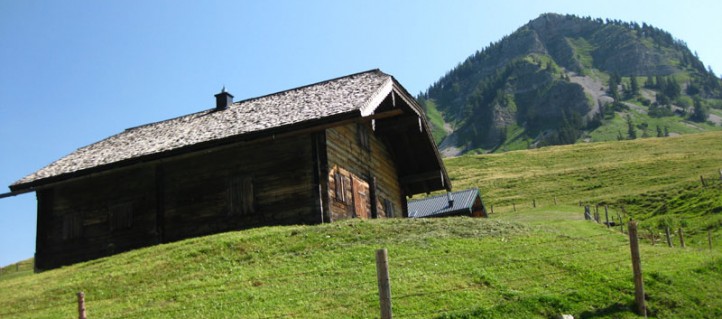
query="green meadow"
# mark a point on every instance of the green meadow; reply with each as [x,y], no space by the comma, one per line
[522,262]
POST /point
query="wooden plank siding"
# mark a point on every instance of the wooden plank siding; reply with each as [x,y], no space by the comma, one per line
[348,161]
[279,173]
[93,203]
[180,198]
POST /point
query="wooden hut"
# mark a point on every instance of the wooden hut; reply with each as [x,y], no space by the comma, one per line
[350,147]
[461,203]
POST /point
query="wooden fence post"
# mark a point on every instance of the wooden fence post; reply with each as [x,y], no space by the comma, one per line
[606,215]
[637,269]
[492,208]
[513,206]
[382,275]
[709,238]
[681,237]
[533,203]
[587,213]
[669,238]
[555,200]
[81,306]
[702,179]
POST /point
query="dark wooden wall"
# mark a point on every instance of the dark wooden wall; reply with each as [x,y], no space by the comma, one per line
[196,189]
[269,182]
[350,160]
[478,209]
[84,208]
[290,180]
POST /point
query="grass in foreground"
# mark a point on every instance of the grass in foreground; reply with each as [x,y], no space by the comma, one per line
[532,264]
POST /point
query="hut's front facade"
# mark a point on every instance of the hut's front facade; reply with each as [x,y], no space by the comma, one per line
[351,147]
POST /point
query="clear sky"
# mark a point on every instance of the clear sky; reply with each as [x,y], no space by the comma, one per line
[75,72]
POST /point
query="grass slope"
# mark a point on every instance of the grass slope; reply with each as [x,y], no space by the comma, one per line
[18,269]
[550,262]
[590,172]
[529,263]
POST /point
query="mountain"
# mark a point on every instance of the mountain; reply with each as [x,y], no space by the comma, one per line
[562,79]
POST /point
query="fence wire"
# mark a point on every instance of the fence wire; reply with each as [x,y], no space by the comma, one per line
[406,272]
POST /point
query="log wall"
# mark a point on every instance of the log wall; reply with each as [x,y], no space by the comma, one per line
[350,160]
[228,188]
[74,218]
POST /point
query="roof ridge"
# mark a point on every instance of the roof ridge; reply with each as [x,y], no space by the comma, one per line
[444,194]
[259,97]
[310,85]
[161,121]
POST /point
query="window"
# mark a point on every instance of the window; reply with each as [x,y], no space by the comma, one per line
[120,216]
[72,226]
[241,196]
[388,207]
[363,136]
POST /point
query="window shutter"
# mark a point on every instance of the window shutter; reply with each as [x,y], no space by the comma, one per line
[338,186]
[241,198]
[72,226]
[388,207]
[248,196]
[360,190]
[234,196]
[120,216]
[363,136]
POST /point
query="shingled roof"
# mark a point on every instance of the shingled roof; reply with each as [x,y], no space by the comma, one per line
[355,95]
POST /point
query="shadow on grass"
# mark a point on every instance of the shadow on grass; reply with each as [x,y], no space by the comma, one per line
[616,308]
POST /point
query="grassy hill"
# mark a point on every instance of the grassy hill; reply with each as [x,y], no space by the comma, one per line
[654,179]
[551,263]
[529,263]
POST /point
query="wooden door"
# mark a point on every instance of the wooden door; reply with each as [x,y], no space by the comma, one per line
[361,198]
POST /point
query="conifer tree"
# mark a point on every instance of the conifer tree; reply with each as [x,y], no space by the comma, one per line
[631,132]
[700,112]
[634,85]
[649,83]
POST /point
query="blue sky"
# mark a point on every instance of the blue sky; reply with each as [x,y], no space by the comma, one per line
[75,72]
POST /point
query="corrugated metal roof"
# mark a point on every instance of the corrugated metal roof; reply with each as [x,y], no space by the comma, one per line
[437,206]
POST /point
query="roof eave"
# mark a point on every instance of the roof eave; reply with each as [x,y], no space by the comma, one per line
[291,129]
[408,98]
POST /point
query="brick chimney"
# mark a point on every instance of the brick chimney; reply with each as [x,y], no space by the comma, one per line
[223,100]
